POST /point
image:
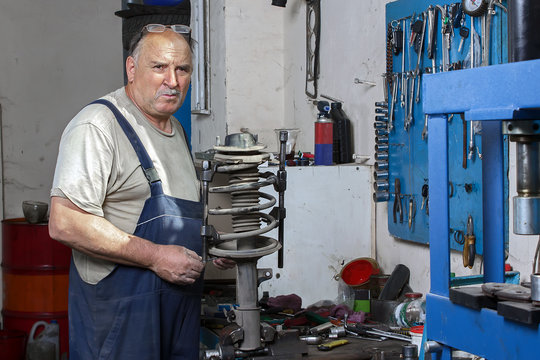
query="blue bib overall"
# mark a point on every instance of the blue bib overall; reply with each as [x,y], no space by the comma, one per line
[132,313]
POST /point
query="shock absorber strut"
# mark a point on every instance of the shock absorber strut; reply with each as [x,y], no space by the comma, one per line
[240,158]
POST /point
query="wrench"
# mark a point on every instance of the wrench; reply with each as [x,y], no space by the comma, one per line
[471,141]
[420,57]
[403,84]
[411,101]
[473,33]
[444,47]
[424,131]
[405,100]
[393,102]
[432,27]
[486,38]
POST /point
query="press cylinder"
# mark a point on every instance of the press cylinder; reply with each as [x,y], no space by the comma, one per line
[535,289]
[528,167]
[527,203]
[523,30]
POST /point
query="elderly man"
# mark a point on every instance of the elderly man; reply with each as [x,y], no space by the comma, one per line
[125,197]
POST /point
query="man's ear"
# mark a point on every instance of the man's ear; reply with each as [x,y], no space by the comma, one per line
[130,68]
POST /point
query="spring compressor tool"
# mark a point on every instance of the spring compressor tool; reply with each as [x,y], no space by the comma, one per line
[246,336]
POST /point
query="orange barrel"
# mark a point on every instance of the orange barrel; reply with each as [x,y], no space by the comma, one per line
[35,276]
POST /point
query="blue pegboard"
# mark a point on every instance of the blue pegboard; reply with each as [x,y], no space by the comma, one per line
[408,153]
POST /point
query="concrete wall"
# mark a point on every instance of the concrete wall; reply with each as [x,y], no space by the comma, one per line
[56,57]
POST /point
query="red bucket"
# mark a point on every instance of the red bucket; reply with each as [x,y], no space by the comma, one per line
[35,276]
[12,344]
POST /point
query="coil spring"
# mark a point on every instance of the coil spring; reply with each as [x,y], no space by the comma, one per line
[243,187]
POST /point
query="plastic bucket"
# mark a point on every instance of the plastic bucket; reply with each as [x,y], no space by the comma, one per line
[12,344]
[35,276]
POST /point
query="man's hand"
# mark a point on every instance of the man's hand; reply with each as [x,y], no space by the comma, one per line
[224,264]
[177,265]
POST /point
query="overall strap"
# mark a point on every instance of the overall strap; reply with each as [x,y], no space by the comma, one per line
[146,163]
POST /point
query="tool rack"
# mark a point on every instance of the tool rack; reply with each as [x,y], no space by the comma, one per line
[489,94]
[405,151]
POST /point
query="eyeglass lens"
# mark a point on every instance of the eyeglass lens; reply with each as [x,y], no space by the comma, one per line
[158,28]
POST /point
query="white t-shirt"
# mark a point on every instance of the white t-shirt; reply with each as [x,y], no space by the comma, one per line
[98,170]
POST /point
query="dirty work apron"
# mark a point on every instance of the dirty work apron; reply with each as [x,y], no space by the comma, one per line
[132,313]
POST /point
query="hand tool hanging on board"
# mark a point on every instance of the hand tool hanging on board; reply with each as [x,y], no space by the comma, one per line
[473,40]
[487,34]
[393,102]
[403,83]
[456,11]
[389,55]
[410,99]
[425,198]
[397,201]
[445,35]
[464,161]
[397,38]
[432,40]
[412,211]
[469,248]
[471,141]
[420,57]
[425,129]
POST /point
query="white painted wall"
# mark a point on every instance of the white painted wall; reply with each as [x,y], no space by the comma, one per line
[321,234]
[247,59]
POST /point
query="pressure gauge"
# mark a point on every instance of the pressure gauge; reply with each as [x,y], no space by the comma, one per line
[474,7]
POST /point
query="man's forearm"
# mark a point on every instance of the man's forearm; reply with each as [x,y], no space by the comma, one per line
[97,237]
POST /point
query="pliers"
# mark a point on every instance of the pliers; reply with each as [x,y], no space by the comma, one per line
[397,201]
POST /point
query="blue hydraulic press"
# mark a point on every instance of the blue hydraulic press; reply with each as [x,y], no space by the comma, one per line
[506,98]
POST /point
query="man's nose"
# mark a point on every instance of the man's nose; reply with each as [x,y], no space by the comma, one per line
[170,79]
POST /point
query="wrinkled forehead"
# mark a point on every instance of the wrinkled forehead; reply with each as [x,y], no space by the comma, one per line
[167,44]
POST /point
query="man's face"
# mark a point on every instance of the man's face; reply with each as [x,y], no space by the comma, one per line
[159,80]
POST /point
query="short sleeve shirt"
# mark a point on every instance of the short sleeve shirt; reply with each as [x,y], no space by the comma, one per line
[98,170]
